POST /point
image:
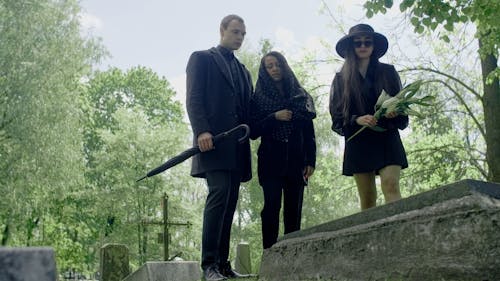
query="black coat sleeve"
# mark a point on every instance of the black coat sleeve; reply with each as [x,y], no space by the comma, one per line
[335,105]
[263,126]
[196,85]
[309,144]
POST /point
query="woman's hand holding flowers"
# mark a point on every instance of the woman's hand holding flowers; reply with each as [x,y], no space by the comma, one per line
[390,115]
[367,120]
[391,106]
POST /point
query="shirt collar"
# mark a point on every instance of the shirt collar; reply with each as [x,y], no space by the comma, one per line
[228,54]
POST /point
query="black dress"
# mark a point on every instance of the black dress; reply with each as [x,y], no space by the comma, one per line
[370,150]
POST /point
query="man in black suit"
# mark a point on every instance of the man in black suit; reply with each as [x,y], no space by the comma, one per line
[217,99]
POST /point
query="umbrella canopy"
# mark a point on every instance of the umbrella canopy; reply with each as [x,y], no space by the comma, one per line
[195,150]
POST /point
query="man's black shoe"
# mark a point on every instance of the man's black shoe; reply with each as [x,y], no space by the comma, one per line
[226,270]
[211,273]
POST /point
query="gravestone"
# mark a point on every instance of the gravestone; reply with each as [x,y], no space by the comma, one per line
[243,264]
[27,264]
[449,233]
[167,271]
[114,265]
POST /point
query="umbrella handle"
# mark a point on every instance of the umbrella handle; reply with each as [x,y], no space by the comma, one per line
[227,133]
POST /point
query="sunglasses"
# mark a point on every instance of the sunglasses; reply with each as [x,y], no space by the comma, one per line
[358,44]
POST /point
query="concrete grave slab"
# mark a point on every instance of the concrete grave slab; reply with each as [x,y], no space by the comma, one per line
[167,271]
[449,233]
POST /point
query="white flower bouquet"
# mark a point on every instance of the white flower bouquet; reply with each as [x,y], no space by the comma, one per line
[400,104]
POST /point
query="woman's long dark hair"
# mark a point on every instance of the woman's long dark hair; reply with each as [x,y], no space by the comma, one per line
[352,83]
[268,98]
[289,80]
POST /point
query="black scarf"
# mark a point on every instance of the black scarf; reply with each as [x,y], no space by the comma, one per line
[267,99]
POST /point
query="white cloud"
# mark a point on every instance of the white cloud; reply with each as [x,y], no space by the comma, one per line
[90,22]
[313,43]
[285,38]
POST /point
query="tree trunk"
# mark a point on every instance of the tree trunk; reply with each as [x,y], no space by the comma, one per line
[491,106]
[5,235]
[144,246]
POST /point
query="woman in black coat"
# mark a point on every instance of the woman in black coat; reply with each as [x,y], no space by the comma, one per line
[355,90]
[282,113]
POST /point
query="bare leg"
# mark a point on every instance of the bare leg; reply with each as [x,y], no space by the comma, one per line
[366,189]
[389,178]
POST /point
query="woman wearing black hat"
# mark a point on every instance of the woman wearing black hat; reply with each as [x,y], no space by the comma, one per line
[353,94]
[282,113]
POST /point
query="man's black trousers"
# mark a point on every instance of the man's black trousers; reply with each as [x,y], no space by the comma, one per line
[223,190]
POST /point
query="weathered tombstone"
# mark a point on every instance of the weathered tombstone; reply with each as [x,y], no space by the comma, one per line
[449,233]
[27,264]
[242,264]
[167,271]
[114,262]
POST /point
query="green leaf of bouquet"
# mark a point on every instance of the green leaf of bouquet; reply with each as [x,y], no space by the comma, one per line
[379,113]
[410,111]
[378,129]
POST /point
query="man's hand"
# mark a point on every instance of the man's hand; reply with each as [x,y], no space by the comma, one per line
[205,141]
[308,171]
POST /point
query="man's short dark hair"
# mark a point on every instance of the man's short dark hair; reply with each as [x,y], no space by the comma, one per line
[227,19]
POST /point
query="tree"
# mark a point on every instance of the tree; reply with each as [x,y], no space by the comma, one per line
[113,89]
[128,152]
[42,59]
[442,16]
[133,126]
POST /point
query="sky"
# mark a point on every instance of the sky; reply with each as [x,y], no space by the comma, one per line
[161,34]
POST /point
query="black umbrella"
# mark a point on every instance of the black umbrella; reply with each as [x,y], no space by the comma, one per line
[195,150]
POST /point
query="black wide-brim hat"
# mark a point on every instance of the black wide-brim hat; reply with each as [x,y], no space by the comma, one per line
[380,43]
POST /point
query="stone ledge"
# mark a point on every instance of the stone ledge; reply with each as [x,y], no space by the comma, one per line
[452,236]
[416,202]
[167,271]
